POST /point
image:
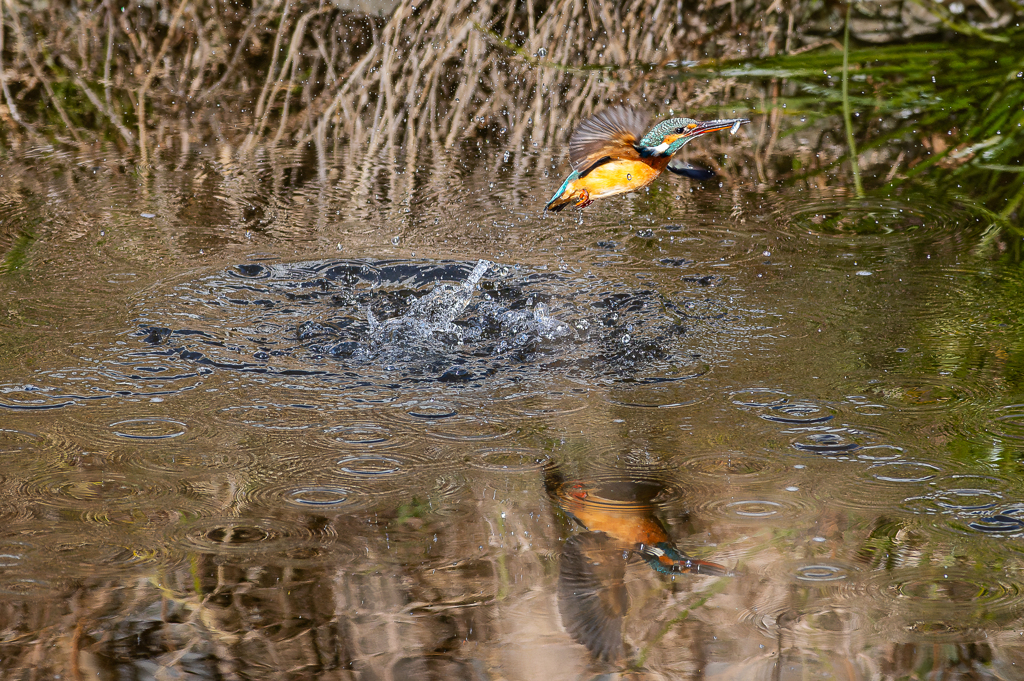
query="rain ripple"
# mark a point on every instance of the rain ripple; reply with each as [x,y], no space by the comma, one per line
[508,459]
[771,508]
[320,494]
[736,468]
[937,601]
[17,441]
[778,407]
[1008,423]
[960,495]
[149,429]
[918,394]
[891,481]
[832,441]
[244,537]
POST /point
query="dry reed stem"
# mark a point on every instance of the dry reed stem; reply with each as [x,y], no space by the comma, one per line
[435,73]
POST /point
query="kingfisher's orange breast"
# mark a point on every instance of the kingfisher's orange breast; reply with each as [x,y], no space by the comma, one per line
[619,176]
[630,524]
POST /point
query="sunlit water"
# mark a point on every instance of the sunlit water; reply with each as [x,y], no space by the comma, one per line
[254,422]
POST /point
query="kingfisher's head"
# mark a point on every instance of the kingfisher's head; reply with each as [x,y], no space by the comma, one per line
[668,137]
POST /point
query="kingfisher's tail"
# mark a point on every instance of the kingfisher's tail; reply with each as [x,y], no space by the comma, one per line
[563,197]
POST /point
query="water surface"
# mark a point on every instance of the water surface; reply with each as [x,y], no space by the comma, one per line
[257,418]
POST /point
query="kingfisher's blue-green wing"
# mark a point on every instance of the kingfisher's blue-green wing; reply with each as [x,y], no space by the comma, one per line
[609,134]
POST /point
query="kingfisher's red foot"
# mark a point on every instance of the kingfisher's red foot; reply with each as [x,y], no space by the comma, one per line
[585,199]
[577,491]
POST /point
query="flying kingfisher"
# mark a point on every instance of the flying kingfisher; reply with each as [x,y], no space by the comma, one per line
[610,154]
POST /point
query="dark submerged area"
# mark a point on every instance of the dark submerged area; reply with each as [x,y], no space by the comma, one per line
[297,379]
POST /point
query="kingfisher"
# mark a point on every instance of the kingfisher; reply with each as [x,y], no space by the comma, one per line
[610,154]
[625,512]
[618,518]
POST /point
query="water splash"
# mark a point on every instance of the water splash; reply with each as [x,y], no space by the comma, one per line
[433,314]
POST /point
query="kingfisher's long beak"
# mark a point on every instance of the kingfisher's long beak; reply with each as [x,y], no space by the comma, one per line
[704,127]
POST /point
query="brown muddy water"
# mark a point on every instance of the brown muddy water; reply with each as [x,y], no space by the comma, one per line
[266,415]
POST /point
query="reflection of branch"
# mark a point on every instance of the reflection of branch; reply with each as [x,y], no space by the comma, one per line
[291,61]
[243,42]
[942,14]
[813,46]
[105,110]
[3,78]
[716,588]
[38,71]
[140,104]
[895,166]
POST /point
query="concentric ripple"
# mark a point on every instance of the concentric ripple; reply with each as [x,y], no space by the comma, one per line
[366,434]
[99,492]
[432,410]
[833,441]
[737,468]
[803,412]
[241,536]
[920,395]
[373,465]
[759,397]
[890,482]
[849,216]
[960,495]
[92,555]
[1006,522]
[273,416]
[772,508]
[1007,423]
[663,396]
[939,602]
[17,441]
[149,429]
[323,492]
[508,459]
[904,471]
[363,431]
[821,572]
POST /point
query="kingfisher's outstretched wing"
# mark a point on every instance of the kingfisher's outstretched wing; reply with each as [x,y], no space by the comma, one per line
[606,135]
[592,596]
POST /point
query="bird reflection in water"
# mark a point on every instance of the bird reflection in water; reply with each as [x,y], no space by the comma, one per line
[619,522]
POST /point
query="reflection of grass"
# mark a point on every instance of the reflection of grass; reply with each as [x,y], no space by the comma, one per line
[17,254]
[953,114]
[850,141]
